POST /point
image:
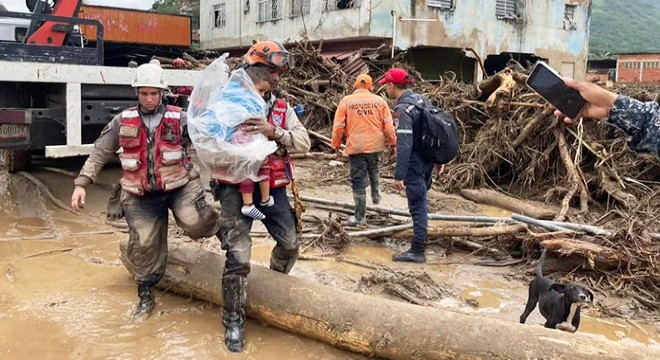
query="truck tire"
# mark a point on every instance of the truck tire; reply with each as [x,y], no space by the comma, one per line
[15,160]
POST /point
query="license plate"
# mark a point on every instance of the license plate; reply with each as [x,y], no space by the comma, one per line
[12,131]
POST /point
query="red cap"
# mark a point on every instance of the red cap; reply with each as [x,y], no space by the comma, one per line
[396,76]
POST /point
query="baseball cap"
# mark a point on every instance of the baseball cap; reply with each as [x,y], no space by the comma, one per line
[396,76]
[364,79]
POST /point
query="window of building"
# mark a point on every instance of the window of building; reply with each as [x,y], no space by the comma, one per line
[506,9]
[652,64]
[220,15]
[246,6]
[340,4]
[442,4]
[270,10]
[631,65]
[569,17]
[299,7]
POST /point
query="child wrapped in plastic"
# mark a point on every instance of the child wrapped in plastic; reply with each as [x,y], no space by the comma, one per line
[216,116]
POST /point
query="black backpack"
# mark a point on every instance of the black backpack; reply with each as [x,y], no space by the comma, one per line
[435,134]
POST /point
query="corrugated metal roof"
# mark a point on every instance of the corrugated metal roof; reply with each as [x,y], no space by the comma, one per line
[350,61]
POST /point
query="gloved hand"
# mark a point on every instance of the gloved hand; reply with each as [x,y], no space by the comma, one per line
[115,211]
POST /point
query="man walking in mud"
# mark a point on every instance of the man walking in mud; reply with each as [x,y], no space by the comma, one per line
[413,173]
[365,119]
[157,175]
[284,128]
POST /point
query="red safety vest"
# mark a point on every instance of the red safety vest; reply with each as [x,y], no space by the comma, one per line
[281,167]
[155,162]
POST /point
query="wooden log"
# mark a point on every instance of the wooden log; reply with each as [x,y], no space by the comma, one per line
[324,139]
[380,327]
[319,156]
[597,257]
[466,231]
[493,198]
[389,211]
[380,232]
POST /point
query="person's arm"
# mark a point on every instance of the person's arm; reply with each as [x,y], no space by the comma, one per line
[388,125]
[639,120]
[105,148]
[294,138]
[339,126]
[404,143]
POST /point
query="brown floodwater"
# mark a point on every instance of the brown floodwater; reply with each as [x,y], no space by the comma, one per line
[65,295]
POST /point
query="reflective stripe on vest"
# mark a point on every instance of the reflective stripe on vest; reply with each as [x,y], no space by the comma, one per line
[170,162]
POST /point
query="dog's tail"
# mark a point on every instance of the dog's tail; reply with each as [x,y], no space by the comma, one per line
[539,266]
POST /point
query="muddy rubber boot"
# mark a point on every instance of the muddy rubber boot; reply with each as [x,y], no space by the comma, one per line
[146,303]
[282,260]
[233,313]
[375,197]
[410,256]
[360,218]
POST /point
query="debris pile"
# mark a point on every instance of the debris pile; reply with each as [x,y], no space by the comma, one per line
[512,143]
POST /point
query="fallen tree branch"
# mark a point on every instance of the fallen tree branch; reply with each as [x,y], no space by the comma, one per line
[597,257]
[489,231]
[379,327]
[502,201]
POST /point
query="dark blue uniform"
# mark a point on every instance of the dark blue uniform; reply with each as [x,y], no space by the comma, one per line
[639,120]
[416,173]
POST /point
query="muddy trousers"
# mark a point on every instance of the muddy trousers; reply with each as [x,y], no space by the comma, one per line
[147,217]
[418,181]
[364,172]
[235,228]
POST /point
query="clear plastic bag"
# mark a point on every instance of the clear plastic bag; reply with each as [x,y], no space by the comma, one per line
[219,104]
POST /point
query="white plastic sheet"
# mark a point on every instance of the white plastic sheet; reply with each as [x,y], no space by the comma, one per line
[219,104]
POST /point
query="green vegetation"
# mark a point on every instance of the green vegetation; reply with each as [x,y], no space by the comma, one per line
[179,7]
[619,26]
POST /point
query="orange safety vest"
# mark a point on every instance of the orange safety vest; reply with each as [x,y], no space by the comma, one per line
[155,162]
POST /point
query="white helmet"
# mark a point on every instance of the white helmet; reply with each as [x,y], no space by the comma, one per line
[149,75]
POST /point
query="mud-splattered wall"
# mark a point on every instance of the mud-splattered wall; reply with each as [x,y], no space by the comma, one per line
[557,30]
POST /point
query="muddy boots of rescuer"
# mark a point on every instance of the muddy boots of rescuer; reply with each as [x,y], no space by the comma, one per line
[282,260]
[147,297]
[233,313]
[360,218]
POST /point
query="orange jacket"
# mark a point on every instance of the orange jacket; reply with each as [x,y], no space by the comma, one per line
[366,121]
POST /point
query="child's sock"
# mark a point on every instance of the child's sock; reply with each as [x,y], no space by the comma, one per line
[252,212]
[268,203]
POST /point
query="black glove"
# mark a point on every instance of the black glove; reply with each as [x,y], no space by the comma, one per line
[115,211]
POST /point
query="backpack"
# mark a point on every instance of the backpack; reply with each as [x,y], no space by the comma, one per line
[435,134]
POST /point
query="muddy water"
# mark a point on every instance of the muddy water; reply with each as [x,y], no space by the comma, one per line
[75,302]
[59,306]
[70,298]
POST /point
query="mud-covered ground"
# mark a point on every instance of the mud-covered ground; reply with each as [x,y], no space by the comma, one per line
[65,294]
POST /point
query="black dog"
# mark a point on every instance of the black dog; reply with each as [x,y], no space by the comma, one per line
[558,303]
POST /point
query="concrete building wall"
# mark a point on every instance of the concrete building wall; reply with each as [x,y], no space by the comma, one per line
[638,69]
[535,27]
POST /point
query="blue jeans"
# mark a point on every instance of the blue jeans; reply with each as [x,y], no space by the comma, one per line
[418,182]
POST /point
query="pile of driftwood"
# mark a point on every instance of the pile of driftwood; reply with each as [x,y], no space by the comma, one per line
[511,143]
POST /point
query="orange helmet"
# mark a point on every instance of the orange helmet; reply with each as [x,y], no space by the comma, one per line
[269,53]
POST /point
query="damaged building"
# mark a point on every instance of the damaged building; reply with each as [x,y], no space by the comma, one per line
[436,33]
